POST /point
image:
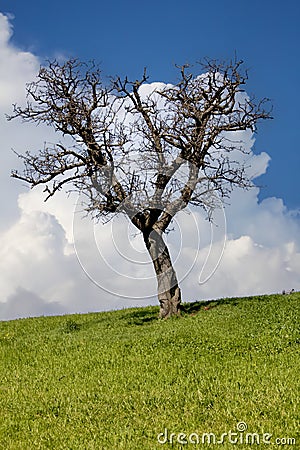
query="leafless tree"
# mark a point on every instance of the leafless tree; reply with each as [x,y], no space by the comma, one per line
[131,140]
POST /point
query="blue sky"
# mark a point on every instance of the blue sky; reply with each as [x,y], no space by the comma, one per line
[126,36]
[260,227]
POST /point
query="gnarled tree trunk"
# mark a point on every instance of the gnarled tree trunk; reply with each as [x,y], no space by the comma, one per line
[169,294]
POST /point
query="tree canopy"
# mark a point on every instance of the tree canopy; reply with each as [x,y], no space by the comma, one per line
[144,150]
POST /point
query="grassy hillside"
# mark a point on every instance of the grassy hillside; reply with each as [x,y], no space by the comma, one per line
[125,380]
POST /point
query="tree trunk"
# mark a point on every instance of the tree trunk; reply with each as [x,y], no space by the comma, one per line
[169,294]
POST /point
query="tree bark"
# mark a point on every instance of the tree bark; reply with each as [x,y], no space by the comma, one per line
[169,294]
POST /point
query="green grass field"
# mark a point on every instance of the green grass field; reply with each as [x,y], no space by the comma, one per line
[125,380]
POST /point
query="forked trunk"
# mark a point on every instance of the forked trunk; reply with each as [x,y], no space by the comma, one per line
[169,294]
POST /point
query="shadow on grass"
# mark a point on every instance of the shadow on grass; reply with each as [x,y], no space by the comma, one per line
[142,316]
[147,315]
[131,316]
[194,307]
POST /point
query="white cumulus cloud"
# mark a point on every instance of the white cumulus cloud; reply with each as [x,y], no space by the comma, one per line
[42,272]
